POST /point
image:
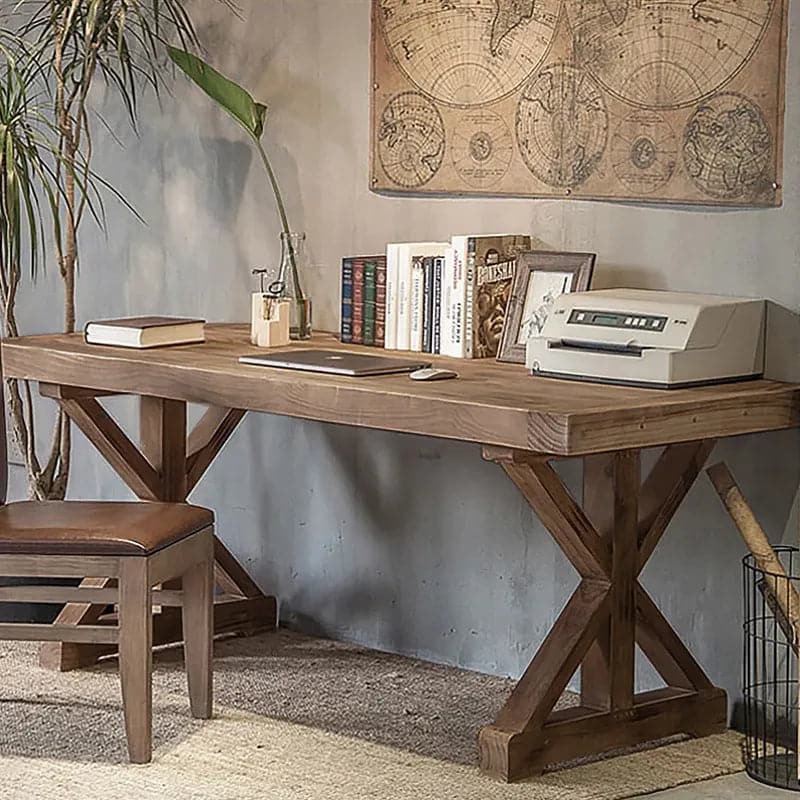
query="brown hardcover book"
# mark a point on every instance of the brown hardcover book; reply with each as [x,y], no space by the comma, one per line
[358,302]
[380,301]
[145,332]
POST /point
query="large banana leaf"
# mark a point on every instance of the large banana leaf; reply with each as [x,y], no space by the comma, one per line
[227,94]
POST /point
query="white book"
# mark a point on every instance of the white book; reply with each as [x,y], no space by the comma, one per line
[447,343]
[406,257]
[456,298]
[461,307]
[392,256]
[145,332]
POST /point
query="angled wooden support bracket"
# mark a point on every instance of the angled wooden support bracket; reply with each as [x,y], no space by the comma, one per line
[608,539]
[166,466]
[206,440]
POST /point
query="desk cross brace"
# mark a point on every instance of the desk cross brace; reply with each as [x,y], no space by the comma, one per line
[166,467]
[608,540]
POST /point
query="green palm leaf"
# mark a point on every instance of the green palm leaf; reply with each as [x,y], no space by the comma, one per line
[223,91]
[247,112]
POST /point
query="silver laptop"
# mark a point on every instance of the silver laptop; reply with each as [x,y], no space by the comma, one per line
[334,363]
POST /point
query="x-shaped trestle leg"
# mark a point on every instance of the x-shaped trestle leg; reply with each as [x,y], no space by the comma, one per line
[165,466]
[608,540]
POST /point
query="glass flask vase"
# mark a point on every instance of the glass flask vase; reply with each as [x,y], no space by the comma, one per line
[291,276]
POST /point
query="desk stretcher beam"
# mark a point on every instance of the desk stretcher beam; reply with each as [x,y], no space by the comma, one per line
[608,541]
[165,467]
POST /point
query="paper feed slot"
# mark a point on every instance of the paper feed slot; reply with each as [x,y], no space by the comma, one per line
[634,350]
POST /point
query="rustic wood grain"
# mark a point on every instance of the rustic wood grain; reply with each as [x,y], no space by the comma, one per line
[491,403]
[598,505]
[664,490]
[546,677]
[608,541]
[624,563]
[115,446]
[162,436]
[562,516]
[208,438]
[664,648]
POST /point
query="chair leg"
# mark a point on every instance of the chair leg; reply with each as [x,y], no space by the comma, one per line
[136,657]
[198,632]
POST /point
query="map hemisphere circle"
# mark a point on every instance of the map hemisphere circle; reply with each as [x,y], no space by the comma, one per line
[562,126]
[471,52]
[411,140]
[727,147]
[644,152]
[481,148]
[652,54]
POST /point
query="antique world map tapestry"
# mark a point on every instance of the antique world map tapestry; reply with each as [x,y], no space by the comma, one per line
[649,100]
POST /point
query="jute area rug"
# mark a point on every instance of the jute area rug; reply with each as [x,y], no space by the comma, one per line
[297,718]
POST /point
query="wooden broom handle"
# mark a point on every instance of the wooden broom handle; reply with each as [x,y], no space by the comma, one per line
[778,582]
[774,574]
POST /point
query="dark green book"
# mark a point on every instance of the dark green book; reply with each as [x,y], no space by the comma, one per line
[370,269]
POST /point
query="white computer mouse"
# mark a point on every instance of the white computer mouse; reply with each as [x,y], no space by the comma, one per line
[432,374]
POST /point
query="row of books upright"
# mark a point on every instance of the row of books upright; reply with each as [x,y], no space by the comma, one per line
[432,297]
[364,300]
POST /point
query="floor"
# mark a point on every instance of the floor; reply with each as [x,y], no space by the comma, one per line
[732,787]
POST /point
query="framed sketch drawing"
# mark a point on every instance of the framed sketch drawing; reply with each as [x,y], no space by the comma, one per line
[540,277]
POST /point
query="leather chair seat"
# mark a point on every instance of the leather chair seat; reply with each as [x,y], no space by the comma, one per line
[97,529]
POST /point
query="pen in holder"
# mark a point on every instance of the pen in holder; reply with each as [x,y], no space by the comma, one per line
[270,313]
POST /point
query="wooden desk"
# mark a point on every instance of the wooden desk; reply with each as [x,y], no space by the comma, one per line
[523,423]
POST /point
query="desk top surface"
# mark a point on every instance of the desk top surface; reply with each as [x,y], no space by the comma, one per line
[491,403]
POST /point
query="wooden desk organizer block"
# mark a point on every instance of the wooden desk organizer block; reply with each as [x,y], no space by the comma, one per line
[269,326]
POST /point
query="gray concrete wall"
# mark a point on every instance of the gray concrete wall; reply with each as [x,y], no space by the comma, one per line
[399,542]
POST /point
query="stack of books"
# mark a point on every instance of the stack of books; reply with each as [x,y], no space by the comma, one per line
[364,300]
[437,297]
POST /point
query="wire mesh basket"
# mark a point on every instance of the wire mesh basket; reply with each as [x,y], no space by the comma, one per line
[770,671]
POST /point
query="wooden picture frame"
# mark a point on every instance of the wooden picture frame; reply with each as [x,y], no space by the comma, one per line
[531,296]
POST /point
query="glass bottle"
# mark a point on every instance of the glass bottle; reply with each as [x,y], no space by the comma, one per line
[293,270]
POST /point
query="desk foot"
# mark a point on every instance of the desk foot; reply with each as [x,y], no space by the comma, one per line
[245,615]
[575,732]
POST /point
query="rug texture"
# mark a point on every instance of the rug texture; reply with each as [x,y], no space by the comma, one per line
[296,718]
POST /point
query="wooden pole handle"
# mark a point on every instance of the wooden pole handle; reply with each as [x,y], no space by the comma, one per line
[778,582]
[784,602]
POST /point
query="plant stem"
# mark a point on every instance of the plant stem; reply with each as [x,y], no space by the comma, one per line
[284,219]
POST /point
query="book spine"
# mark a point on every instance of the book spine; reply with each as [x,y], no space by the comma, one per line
[416,302]
[458,313]
[436,306]
[358,302]
[470,315]
[347,300]
[403,299]
[380,302]
[390,328]
[369,302]
[448,292]
[427,305]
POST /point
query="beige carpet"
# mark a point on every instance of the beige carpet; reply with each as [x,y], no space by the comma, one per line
[297,718]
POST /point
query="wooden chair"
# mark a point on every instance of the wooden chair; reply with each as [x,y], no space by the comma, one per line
[137,544]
